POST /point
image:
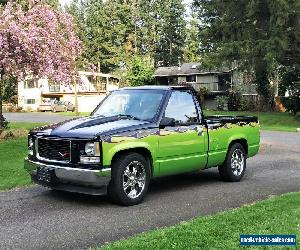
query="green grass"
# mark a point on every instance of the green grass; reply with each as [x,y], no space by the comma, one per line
[12,154]
[69,113]
[24,125]
[278,215]
[268,120]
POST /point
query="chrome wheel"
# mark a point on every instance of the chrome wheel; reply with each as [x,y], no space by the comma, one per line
[134,179]
[237,162]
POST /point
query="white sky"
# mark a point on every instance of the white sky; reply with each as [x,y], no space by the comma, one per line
[63,2]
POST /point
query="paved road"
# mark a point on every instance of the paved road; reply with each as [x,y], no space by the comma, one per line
[36,218]
[35,117]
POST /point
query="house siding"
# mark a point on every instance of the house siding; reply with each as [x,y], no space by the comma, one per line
[89,95]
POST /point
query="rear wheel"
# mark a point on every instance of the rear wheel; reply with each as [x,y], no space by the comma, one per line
[234,166]
[130,179]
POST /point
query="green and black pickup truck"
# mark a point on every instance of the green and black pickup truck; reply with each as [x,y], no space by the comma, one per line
[136,134]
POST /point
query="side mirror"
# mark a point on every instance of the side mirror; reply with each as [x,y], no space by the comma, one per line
[167,122]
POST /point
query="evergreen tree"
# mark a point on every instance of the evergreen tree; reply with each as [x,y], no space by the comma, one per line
[257,34]
[105,28]
[171,32]
[139,72]
[113,31]
[192,44]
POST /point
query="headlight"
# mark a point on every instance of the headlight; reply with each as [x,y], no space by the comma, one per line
[92,149]
[89,148]
[92,153]
[30,146]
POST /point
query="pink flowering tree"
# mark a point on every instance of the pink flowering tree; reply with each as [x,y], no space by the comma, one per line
[40,42]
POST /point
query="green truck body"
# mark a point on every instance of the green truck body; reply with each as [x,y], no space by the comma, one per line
[120,152]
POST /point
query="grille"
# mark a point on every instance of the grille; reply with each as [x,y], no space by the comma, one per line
[55,150]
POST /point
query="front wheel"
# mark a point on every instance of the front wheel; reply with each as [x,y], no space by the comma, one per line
[130,179]
[234,166]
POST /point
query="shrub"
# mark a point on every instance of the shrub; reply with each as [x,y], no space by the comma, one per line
[29,109]
[140,73]
[222,102]
[246,104]
[15,133]
[291,103]
[9,108]
[234,101]
[13,99]
[5,124]
[201,95]
[14,109]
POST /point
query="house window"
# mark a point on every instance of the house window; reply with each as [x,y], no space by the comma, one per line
[98,83]
[30,84]
[54,88]
[191,78]
[30,101]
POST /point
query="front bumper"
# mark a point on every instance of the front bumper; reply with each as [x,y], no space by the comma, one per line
[69,179]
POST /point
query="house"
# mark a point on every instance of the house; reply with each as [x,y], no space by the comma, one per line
[91,89]
[216,82]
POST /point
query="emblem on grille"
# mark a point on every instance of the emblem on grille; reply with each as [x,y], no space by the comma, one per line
[64,155]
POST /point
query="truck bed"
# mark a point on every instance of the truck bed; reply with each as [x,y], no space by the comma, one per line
[223,130]
[229,119]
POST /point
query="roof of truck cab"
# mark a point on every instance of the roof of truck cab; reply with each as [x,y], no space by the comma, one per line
[158,87]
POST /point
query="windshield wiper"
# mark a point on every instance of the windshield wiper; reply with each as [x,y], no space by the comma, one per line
[101,116]
[129,117]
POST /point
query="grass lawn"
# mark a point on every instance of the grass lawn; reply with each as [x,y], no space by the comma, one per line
[268,120]
[278,215]
[12,154]
[24,125]
[69,113]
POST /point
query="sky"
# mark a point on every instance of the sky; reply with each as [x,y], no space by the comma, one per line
[64,2]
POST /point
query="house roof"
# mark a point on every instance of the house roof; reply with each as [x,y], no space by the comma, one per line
[187,69]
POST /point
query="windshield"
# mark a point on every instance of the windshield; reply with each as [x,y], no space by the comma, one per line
[140,104]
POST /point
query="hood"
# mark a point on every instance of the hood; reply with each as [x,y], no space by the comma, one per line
[89,127]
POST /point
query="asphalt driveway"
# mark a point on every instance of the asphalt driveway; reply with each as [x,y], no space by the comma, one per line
[46,117]
[37,218]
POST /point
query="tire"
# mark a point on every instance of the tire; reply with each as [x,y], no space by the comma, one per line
[234,166]
[125,179]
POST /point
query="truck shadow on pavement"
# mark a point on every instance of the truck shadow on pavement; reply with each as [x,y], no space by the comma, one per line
[183,181]
[157,186]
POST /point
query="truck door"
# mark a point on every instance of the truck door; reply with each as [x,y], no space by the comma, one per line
[182,147]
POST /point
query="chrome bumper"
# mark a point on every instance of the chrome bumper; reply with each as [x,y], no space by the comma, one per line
[72,179]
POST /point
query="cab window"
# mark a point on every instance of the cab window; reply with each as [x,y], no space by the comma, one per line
[181,107]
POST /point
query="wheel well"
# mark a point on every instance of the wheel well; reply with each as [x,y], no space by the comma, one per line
[143,151]
[243,142]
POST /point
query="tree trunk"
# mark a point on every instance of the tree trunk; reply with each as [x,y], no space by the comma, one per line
[76,97]
[262,82]
[1,111]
